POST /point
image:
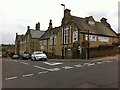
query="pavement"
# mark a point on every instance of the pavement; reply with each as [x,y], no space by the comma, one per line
[109,57]
[114,57]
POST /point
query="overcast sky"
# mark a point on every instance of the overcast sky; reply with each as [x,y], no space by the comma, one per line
[16,15]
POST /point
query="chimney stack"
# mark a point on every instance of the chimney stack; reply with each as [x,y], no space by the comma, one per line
[37,27]
[104,21]
[16,34]
[67,13]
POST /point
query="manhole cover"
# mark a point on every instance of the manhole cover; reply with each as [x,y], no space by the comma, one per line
[86,85]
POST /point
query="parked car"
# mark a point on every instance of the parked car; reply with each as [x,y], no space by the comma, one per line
[15,56]
[25,56]
[38,55]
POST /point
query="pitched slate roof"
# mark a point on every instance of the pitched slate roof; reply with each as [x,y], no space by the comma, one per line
[98,28]
[48,33]
[36,33]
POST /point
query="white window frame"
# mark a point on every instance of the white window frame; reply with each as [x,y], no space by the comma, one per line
[91,38]
[103,39]
[44,42]
[55,39]
[70,34]
[66,35]
[75,36]
[51,40]
[40,42]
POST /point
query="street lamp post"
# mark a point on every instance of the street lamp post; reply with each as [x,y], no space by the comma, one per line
[53,52]
[22,43]
[63,6]
[88,45]
[63,35]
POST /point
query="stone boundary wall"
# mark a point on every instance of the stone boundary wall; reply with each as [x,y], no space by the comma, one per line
[103,51]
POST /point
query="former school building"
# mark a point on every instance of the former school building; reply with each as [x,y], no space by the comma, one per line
[76,37]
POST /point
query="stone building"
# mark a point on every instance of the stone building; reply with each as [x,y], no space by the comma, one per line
[76,35]
[17,43]
[30,41]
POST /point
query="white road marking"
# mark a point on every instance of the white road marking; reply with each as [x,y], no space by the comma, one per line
[42,72]
[86,63]
[104,61]
[52,63]
[21,62]
[67,67]
[10,78]
[91,64]
[25,63]
[27,75]
[79,65]
[41,67]
[54,69]
[99,62]
[108,61]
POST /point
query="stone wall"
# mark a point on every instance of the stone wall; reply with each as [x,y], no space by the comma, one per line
[102,51]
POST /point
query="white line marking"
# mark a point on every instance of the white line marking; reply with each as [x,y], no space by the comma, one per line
[86,63]
[99,62]
[104,61]
[10,78]
[42,72]
[91,64]
[54,69]
[21,62]
[79,65]
[67,67]
[27,75]
[41,67]
[52,63]
[25,63]
[108,61]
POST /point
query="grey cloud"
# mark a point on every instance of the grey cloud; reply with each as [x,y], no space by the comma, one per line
[8,38]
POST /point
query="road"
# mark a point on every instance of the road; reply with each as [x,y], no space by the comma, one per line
[49,74]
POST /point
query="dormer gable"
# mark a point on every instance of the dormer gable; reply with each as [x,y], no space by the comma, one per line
[90,20]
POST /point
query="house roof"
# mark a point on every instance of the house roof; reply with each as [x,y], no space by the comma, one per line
[98,28]
[36,33]
[48,33]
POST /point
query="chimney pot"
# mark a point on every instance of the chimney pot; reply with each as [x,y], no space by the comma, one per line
[37,26]
[28,27]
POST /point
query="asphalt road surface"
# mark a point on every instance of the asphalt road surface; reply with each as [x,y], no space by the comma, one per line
[49,74]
